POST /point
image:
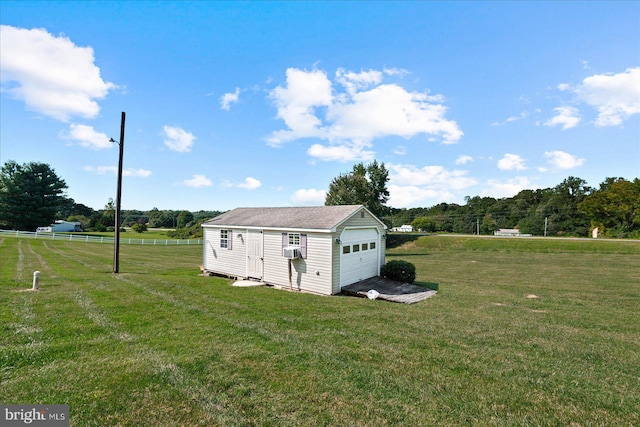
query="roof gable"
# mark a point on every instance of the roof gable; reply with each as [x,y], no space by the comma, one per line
[308,217]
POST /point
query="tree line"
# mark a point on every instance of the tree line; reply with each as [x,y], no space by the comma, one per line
[32,195]
[571,208]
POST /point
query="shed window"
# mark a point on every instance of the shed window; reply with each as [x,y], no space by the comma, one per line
[226,237]
[372,245]
[346,249]
[356,248]
[296,240]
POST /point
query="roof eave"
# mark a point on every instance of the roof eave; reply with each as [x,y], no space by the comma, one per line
[255,227]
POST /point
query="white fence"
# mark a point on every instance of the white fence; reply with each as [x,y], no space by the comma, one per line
[96,239]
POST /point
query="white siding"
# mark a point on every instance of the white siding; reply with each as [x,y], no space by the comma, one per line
[312,274]
[231,262]
[319,272]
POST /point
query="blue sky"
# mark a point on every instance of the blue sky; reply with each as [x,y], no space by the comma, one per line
[263,103]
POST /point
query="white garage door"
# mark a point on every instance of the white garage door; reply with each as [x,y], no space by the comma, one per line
[359,257]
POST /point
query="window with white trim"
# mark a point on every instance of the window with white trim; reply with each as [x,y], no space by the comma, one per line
[294,239]
[224,239]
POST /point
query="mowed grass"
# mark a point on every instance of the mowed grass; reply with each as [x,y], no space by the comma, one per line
[521,332]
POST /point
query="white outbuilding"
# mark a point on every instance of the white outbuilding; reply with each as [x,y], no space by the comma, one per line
[60,226]
[404,228]
[317,249]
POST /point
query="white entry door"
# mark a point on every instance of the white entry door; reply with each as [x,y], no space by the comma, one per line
[255,254]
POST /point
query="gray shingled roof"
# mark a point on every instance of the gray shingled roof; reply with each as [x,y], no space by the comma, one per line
[311,217]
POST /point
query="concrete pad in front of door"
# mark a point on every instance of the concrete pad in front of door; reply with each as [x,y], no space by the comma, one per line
[247,283]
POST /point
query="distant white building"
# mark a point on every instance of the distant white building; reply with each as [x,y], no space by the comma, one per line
[405,228]
[60,226]
[513,232]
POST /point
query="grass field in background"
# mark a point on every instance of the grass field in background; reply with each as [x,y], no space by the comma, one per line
[521,332]
[153,233]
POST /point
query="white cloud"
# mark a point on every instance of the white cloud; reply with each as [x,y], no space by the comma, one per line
[511,162]
[615,96]
[87,136]
[350,119]
[345,152]
[429,175]
[400,150]
[562,161]
[296,104]
[229,98]
[411,195]
[178,139]
[101,170]
[249,183]
[394,71]
[309,196]
[522,115]
[567,117]
[50,74]
[353,82]
[463,160]
[389,109]
[509,188]
[410,185]
[197,181]
[143,173]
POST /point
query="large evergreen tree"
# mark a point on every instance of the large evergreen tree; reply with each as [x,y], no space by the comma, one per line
[30,195]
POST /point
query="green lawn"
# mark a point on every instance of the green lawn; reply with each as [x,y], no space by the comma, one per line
[130,234]
[521,332]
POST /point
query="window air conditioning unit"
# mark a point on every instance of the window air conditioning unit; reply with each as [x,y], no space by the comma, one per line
[291,252]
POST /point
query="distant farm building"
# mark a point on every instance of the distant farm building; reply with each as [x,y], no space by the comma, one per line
[314,249]
[60,226]
[512,232]
[405,228]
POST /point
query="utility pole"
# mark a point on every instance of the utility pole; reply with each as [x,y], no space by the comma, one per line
[116,241]
[478,226]
[545,226]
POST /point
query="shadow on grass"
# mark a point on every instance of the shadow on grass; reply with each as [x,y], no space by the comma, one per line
[395,240]
[429,285]
[405,254]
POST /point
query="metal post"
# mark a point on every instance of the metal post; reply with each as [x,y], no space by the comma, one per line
[116,242]
[545,226]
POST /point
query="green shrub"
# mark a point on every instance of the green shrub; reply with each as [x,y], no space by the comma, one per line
[139,228]
[399,270]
